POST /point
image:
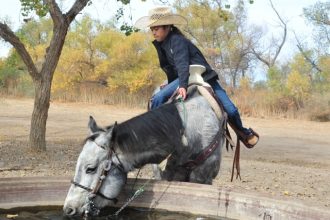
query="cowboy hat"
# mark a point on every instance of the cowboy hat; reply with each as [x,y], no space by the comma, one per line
[160,16]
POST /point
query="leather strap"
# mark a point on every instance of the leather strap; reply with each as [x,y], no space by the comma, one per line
[204,154]
[229,140]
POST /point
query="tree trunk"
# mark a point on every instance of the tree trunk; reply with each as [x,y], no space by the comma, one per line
[43,79]
[39,116]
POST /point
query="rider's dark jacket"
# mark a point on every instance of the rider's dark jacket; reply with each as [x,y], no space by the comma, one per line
[175,55]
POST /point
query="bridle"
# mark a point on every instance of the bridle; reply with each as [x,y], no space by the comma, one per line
[93,192]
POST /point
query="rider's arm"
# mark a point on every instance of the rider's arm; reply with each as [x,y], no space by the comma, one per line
[180,52]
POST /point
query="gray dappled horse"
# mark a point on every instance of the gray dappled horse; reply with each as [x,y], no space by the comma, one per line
[181,132]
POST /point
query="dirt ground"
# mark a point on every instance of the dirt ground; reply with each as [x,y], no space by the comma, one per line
[291,161]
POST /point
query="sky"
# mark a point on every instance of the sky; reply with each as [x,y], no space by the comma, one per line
[259,13]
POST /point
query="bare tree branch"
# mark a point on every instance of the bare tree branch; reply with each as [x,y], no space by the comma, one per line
[61,25]
[283,37]
[55,12]
[259,57]
[270,61]
[10,37]
[75,9]
[303,52]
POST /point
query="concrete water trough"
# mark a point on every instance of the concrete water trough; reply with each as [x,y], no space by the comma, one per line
[171,196]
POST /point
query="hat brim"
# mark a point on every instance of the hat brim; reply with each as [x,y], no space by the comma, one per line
[172,19]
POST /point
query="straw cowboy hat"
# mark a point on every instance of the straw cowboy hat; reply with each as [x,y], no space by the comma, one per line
[160,16]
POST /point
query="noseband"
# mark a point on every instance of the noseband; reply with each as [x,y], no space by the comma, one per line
[115,200]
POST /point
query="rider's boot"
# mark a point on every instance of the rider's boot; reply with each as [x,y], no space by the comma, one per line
[247,135]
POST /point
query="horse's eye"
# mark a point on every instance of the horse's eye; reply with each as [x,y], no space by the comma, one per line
[91,169]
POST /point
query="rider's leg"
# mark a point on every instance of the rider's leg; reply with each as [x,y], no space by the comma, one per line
[229,107]
[164,94]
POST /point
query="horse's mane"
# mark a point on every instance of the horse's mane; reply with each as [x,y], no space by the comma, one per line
[156,127]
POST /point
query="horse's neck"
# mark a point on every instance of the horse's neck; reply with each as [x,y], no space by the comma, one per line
[151,154]
[150,137]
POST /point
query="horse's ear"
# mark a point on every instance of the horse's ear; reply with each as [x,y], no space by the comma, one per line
[92,125]
[111,132]
[114,131]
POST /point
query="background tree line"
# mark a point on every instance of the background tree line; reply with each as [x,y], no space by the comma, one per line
[99,63]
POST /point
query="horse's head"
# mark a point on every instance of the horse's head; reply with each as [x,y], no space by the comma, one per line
[99,175]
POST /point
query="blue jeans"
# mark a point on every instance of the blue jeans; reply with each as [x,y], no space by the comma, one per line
[164,94]
[233,116]
[228,105]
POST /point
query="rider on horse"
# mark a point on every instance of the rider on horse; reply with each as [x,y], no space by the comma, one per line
[176,53]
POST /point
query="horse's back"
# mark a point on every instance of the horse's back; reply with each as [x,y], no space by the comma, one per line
[199,119]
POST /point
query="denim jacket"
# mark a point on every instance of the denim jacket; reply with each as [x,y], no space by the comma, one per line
[175,55]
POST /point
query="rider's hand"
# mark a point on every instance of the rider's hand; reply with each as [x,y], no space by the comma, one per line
[162,85]
[182,92]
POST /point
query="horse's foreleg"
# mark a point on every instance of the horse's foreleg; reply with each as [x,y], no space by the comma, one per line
[157,171]
[207,171]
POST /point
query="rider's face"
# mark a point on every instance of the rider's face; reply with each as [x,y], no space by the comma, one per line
[160,32]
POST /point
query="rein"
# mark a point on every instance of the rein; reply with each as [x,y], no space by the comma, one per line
[184,121]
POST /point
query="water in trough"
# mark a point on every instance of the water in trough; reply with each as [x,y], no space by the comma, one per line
[56,213]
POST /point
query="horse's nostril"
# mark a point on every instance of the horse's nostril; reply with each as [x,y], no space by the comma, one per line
[70,211]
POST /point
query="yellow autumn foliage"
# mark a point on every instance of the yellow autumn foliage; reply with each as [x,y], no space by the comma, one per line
[126,63]
[325,74]
[298,86]
[70,70]
[300,65]
[245,84]
[37,54]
